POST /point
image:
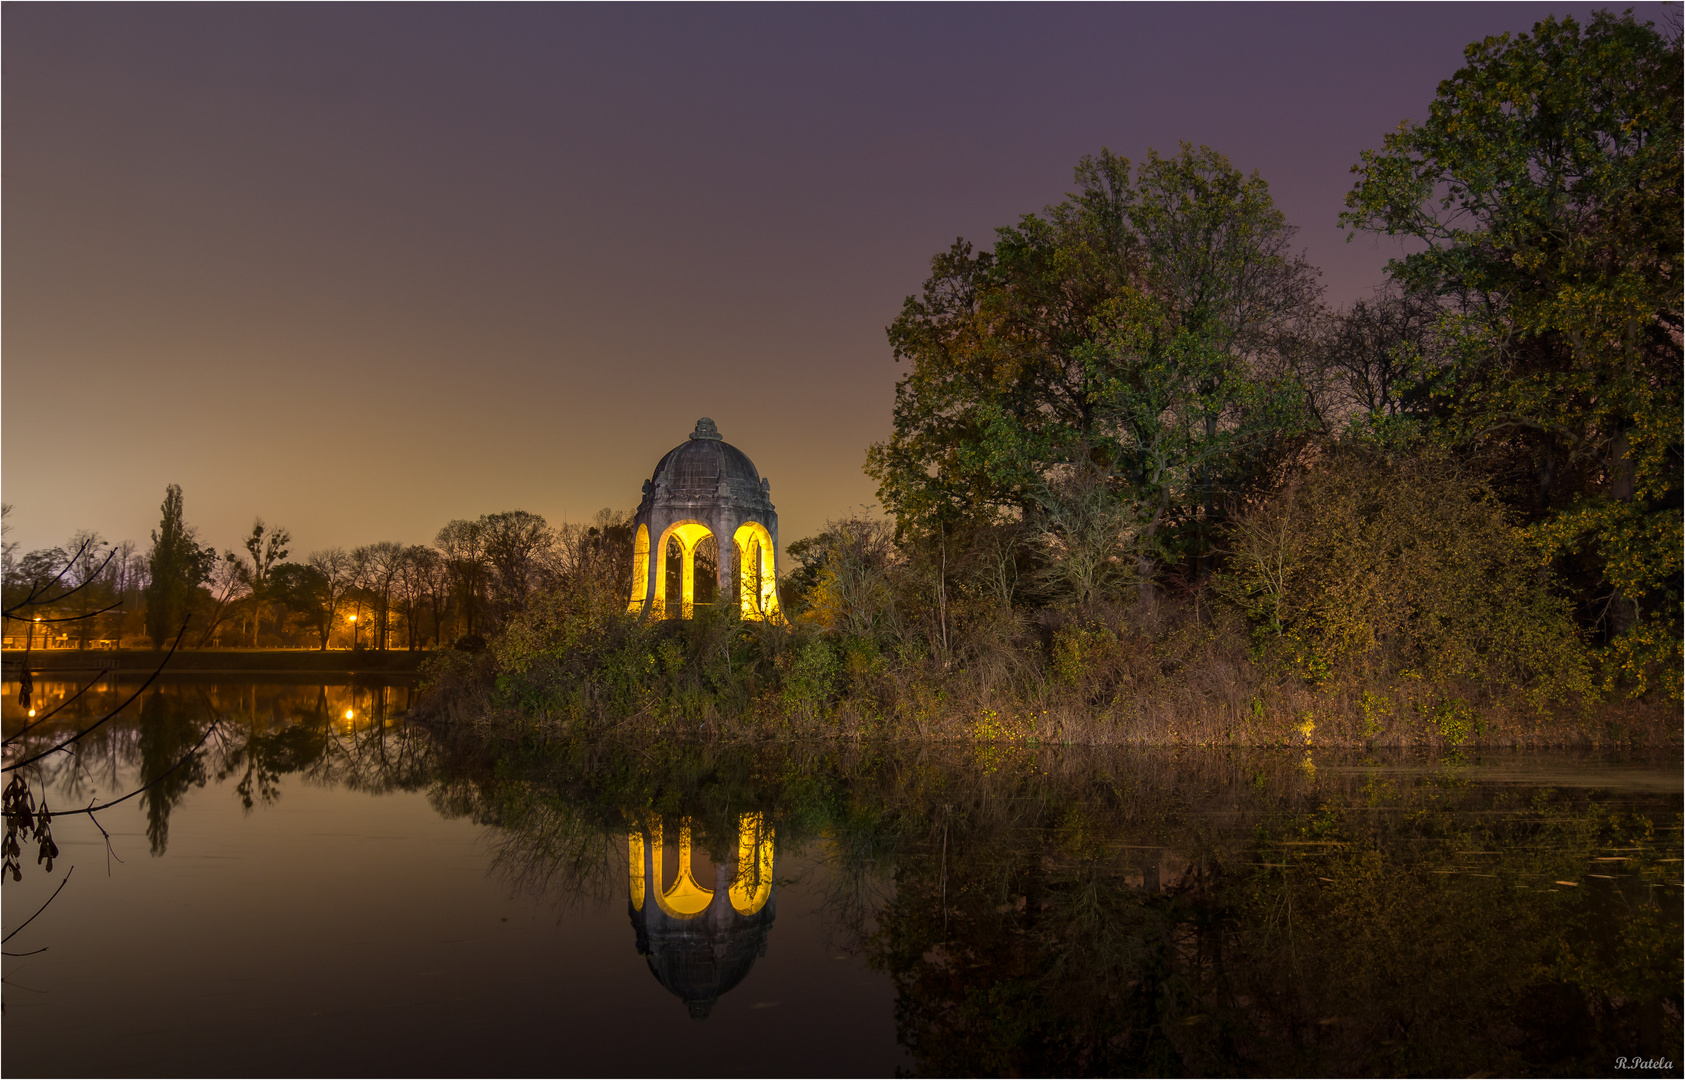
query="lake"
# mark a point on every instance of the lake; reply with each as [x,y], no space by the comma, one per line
[324,888]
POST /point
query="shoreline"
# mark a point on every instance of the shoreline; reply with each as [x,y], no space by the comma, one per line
[217,662]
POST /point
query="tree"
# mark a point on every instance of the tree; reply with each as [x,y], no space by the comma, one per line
[1544,192]
[436,578]
[87,556]
[359,574]
[8,547]
[264,548]
[515,542]
[305,589]
[463,545]
[415,575]
[381,564]
[1138,336]
[334,566]
[176,566]
[228,587]
[1384,356]
[127,573]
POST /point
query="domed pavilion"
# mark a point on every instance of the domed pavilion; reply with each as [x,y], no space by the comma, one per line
[706,487]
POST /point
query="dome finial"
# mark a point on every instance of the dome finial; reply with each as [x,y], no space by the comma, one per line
[705,429]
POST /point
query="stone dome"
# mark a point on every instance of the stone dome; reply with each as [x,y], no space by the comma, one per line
[697,962]
[706,487]
[705,467]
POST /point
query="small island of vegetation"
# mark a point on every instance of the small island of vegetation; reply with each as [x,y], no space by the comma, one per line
[1143,487]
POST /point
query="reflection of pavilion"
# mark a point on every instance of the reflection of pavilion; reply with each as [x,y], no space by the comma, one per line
[700,941]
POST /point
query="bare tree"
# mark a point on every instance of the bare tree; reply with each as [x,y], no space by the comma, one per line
[335,566]
[516,544]
[8,547]
[437,576]
[414,577]
[264,548]
[382,562]
[228,587]
[463,545]
[1382,353]
[88,556]
[361,573]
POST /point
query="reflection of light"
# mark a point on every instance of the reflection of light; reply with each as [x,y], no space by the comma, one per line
[349,714]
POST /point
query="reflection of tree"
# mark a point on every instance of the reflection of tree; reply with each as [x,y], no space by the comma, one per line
[170,725]
[264,733]
[1051,912]
[1183,920]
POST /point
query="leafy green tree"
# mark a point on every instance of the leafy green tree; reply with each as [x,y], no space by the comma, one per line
[177,565]
[1544,191]
[1138,335]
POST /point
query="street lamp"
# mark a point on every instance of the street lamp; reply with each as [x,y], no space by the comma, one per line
[352,619]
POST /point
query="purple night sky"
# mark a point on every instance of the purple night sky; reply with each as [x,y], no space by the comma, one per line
[364,269]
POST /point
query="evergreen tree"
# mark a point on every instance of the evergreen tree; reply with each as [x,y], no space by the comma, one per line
[177,565]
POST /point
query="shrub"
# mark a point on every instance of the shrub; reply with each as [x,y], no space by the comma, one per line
[1366,564]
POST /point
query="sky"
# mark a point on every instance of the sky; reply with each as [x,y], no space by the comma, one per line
[361,270]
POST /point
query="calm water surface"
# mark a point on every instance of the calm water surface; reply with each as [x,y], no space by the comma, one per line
[324,889]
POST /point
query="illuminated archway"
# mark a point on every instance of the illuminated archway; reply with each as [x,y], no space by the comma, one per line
[635,858]
[752,885]
[757,576]
[684,897]
[640,568]
[688,534]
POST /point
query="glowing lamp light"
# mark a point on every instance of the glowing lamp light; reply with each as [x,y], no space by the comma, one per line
[349,714]
[32,712]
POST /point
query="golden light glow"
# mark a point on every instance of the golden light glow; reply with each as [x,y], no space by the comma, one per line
[32,712]
[349,714]
[689,534]
[752,886]
[684,897]
[640,569]
[757,584]
[635,856]
[351,618]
